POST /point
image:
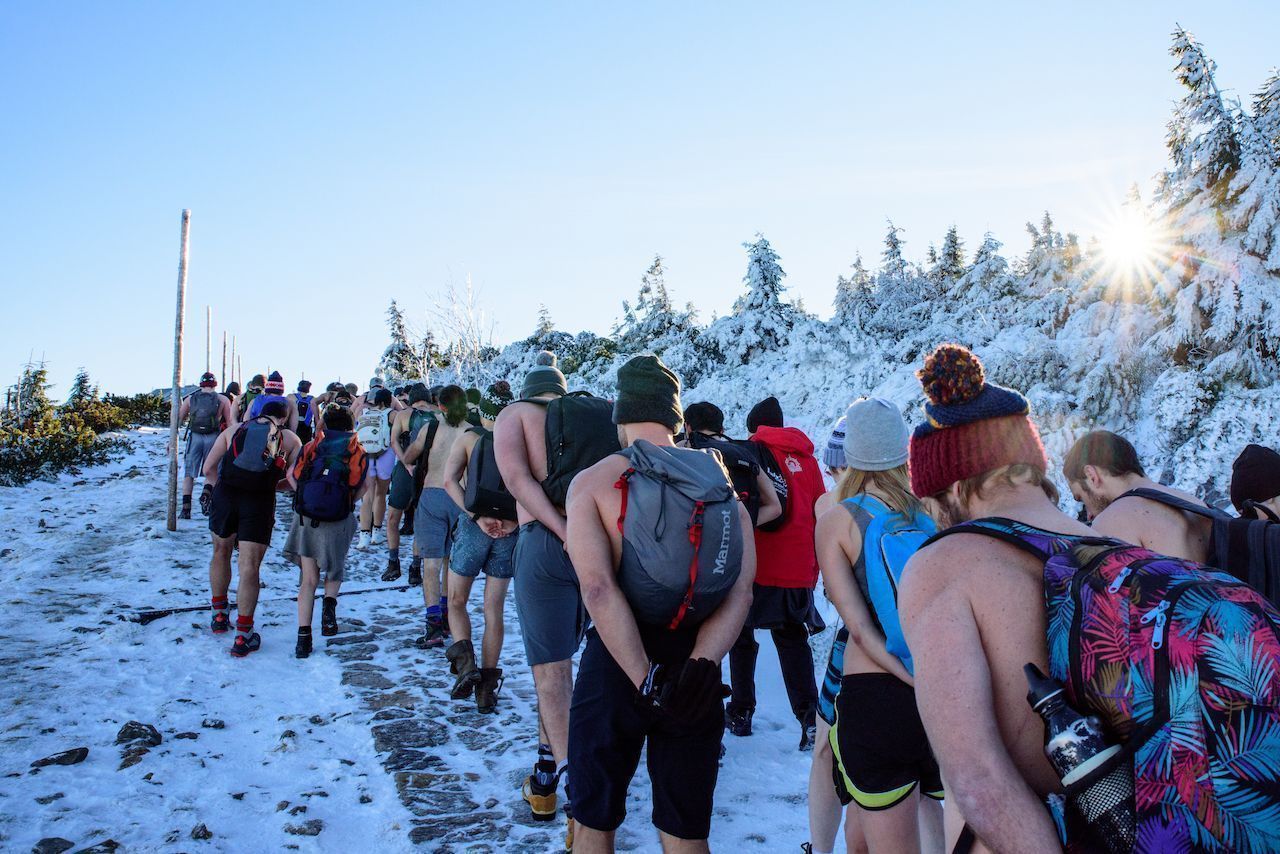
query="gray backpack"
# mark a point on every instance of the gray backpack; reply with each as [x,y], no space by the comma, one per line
[681,534]
[203,412]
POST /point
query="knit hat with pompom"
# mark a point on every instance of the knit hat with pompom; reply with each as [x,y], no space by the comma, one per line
[971,427]
[545,378]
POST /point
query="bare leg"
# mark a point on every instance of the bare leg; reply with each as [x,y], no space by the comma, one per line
[554,683]
[894,829]
[247,589]
[459,619]
[431,572]
[188,485]
[824,804]
[220,565]
[307,591]
[589,841]
[380,488]
[929,817]
[331,588]
[394,515]
[495,597]
[675,845]
[366,505]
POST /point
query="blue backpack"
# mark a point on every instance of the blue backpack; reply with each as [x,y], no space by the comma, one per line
[329,472]
[888,543]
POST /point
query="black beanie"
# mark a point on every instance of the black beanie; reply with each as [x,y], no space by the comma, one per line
[766,413]
[1255,475]
[647,391]
[703,416]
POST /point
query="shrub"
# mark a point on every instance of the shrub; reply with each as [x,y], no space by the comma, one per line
[151,410]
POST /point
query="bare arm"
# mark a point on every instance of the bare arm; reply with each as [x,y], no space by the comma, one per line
[184,409]
[417,446]
[215,455]
[839,544]
[592,555]
[228,413]
[512,454]
[719,631]
[455,467]
[770,506]
[399,425]
[954,695]
[293,413]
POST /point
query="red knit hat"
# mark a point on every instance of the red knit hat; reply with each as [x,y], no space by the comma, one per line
[972,426]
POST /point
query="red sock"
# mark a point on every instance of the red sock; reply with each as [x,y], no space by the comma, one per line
[244,625]
[219,603]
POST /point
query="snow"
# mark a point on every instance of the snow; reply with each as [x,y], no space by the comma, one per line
[305,732]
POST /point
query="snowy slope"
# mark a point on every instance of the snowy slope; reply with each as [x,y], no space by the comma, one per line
[361,737]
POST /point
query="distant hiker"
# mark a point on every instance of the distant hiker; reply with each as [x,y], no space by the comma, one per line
[704,428]
[660,545]
[437,514]
[327,477]
[833,451]
[1255,483]
[375,385]
[252,389]
[406,481]
[232,394]
[786,574]
[1103,470]
[248,460]
[483,540]
[373,430]
[552,617]
[402,395]
[304,403]
[204,412]
[883,762]
[272,392]
[1014,582]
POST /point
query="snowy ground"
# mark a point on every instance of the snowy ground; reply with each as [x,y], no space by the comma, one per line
[359,745]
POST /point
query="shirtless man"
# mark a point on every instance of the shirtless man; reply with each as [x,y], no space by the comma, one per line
[1101,467]
[401,498]
[209,414]
[436,515]
[973,606]
[552,616]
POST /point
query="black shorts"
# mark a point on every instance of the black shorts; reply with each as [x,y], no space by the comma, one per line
[607,733]
[880,747]
[248,515]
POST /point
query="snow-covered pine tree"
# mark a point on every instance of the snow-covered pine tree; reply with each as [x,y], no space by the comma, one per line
[401,361]
[948,264]
[1201,135]
[33,402]
[760,320]
[82,390]
[855,296]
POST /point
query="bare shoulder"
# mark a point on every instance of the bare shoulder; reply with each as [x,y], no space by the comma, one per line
[603,474]
[1132,518]
[960,562]
[834,521]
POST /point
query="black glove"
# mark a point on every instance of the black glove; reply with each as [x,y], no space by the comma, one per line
[683,693]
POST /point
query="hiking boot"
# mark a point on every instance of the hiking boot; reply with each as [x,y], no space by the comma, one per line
[568,832]
[393,569]
[540,790]
[738,723]
[432,636]
[185,513]
[363,542]
[242,645]
[415,575]
[406,527]
[329,617]
[221,623]
[487,690]
[808,737]
[303,649]
[462,663]
[206,499]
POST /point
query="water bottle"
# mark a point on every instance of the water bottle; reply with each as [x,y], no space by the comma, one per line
[1077,750]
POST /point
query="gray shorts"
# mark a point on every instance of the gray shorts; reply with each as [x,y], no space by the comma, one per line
[474,550]
[327,542]
[553,619]
[198,447]
[433,523]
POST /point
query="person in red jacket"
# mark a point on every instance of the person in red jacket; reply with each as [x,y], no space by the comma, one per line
[787,572]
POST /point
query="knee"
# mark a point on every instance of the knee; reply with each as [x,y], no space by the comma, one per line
[457,598]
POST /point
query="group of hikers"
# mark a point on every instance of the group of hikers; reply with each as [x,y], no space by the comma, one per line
[649,544]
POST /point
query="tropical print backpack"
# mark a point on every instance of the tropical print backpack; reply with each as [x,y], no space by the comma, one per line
[1181,663]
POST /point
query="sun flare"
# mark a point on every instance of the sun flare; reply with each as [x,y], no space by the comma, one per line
[1131,242]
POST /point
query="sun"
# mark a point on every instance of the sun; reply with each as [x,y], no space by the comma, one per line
[1132,243]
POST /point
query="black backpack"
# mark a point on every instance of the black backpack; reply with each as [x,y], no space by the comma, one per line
[1249,549]
[580,433]
[254,458]
[743,467]
[486,494]
[203,411]
[765,459]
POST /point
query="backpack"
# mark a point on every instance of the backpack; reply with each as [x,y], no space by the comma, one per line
[246,400]
[681,534]
[304,407]
[769,465]
[261,400]
[486,494]
[203,412]
[580,433]
[888,543]
[329,471]
[417,418]
[374,430]
[253,459]
[1181,663]
[1249,549]
[740,462]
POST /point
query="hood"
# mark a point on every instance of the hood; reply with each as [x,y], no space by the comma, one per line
[697,475]
[790,439]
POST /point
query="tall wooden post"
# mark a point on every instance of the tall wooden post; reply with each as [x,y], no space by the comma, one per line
[235,375]
[208,331]
[223,376]
[176,400]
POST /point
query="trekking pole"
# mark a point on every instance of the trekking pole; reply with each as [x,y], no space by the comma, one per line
[174,403]
[144,617]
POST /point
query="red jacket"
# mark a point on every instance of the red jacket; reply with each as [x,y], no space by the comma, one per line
[786,557]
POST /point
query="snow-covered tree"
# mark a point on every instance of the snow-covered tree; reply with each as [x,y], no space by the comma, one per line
[401,360]
[760,320]
[1203,147]
[82,389]
[855,295]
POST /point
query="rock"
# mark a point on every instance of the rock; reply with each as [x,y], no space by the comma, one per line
[213,723]
[201,832]
[288,734]
[132,757]
[106,846]
[48,799]
[6,553]
[365,799]
[137,731]
[41,524]
[307,828]
[74,756]
[188,735]
[316,720]
[237,796]
[300,809]
[52,845]
[282,805]
[367,679]
[410,733]
[491,803]
[343,640]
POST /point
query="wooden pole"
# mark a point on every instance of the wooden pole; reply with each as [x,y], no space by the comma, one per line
[208,330]
[223,376]
[176,400]
[234,376]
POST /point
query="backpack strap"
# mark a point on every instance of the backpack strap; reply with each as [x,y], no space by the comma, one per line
[1266,511]
[996,529]
[1175,502]
[695,538]
[623,483]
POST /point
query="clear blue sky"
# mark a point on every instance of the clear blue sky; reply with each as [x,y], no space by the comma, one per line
[337,155]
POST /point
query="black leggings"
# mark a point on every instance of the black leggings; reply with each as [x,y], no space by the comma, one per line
[792,642]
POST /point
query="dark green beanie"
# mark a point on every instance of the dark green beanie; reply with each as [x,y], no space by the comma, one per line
[495,399]
[544,378]
[647,391]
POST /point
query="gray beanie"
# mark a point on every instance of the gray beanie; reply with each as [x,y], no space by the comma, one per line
[545,377]
[833,453]
[876,435]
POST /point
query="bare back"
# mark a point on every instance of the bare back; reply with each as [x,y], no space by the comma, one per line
[441,446]
[1158,527]
[520,443]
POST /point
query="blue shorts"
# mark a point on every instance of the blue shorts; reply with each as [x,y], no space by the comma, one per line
[474,550]
[433,523]
[553,619]
[831,679]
